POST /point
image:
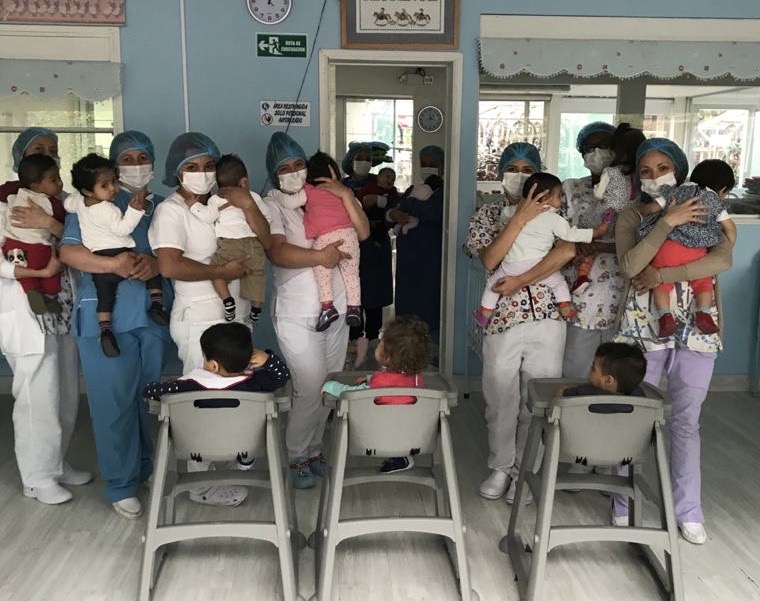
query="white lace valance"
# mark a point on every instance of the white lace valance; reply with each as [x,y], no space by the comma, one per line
[90,80]
[624,59]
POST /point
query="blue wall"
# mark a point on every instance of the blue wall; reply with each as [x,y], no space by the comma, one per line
[226,81]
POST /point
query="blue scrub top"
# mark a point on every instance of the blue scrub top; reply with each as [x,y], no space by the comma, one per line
[132,297]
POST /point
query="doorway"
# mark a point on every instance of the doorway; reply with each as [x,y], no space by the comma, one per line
[393,87]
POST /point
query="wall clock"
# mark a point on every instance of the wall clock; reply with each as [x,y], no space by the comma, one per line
[430,119]
[270,12]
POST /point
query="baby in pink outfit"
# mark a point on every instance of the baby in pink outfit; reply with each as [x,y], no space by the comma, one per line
[327,221]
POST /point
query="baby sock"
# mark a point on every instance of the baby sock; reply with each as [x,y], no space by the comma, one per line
[254,315]
[229,308]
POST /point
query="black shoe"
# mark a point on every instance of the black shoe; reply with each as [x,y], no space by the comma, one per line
[229,308]
[108,344]
[326,317]
[397,464]
[354,316]
[158,315]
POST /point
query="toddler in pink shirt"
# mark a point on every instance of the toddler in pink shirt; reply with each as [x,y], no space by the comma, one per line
[327,221]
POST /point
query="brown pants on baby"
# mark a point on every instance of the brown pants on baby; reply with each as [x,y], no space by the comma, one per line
[252,285]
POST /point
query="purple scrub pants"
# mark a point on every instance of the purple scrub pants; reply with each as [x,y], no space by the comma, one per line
[689,374]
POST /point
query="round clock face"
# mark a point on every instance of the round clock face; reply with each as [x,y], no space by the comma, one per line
[269,12]
[430,119]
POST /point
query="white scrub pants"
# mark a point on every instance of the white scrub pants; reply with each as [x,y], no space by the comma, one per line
[580,348]
[310,356]
[529,350]
[46,393]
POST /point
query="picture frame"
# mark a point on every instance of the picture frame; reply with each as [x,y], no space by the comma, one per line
[399,24]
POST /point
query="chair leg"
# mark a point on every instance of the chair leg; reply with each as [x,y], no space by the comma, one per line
[672,555]
[285,536]
[636,509]
[148,572]
[463,572]
[537,578]
[442,509]
[329,532]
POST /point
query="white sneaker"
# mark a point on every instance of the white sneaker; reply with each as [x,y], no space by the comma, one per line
[225,496]
[694,532]
[74,477]
[512,491]
[495,485]
[54,494]
[619,520]
[129,508]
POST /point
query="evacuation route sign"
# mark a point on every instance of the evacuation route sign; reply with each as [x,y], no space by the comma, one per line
[287,45]
[281,113]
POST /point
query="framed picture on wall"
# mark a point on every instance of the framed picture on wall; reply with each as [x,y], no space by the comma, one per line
[399,24]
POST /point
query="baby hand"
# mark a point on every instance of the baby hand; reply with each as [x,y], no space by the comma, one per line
[138,201]
[600,230]
[259,358]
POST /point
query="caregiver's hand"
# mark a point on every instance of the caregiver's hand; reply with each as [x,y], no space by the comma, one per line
[123,264]
[53,267]
[237,197]
[647,279]
[531,206]
[509,285]
[235,268]
[686,212]
[331,254]
[144,268]
[333,185]
[33,216]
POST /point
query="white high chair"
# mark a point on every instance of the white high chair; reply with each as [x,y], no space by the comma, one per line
[362,428]
[217,425]
[610,430]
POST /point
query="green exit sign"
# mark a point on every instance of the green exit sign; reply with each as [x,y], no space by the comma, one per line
[285,45]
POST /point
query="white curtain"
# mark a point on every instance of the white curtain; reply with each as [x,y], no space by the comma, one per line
[90,80]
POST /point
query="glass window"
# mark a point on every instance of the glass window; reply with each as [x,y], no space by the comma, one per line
[82,127]
[386,120]
[569,160]
[502,122]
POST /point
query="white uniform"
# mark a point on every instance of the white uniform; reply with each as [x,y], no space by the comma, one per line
[196,305]
[310,355]
[45,384]
[24,198]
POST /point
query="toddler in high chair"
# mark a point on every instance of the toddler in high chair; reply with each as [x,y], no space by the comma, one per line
[616,191]
[235,239]
[106,232]
[421,192]
[327,221]
[33,247]
[403,353]
[533,243]
[711,181]
[618,368]
[229,363]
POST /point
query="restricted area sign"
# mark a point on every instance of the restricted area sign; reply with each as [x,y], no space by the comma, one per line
[285,45]
[281,113]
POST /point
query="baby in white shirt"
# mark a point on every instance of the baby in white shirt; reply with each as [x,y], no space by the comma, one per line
[533,243]
[106,232]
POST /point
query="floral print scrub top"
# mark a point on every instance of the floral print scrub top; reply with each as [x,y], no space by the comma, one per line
[531,303]
[598,305]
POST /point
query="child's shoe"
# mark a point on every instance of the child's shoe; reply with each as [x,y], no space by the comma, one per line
[481,318]
[245,464]
[36,302]
[229,308]
[354,316]
[108,343]
[705,323]
[253,316]
[300,474]
[158,315]
[317,465]
[667,324]
[581,283]
[396,464]
[567,310]
[52,305]
[326,317]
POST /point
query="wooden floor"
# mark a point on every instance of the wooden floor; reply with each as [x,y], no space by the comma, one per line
[83,551]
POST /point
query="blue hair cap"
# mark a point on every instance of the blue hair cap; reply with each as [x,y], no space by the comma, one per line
[185,147]
[520,151]
[592,128]
[281,148]
[24,140]
[669,149]
[131,140]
